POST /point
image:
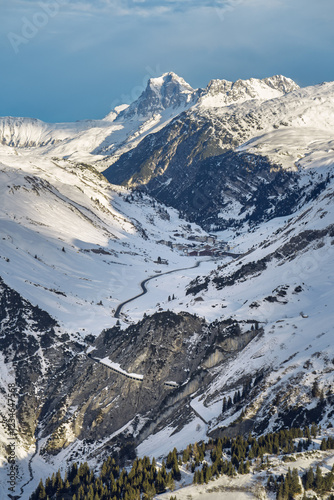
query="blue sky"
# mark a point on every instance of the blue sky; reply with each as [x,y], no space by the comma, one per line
[64,60]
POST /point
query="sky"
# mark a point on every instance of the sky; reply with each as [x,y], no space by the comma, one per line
[64,60]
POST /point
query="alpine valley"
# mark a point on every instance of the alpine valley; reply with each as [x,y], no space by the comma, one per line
[166,276]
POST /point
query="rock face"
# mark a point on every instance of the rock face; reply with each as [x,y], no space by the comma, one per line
[211,127]
[36,350]
[171,352]
[68,395]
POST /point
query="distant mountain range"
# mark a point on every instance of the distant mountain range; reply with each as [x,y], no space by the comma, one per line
[163,99]
[223,155]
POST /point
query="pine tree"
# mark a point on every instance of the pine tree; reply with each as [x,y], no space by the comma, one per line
[307,433]
[314,431]
[328,481]
[241,468]
[59,482]
[81,493]
[196,453]
[319,480]
[323,445]
[295,487]
[171,457]
[170,482]
[41,493]
[76,482]
[276,445]
[160,484]
[280,492]
[185,455]
[208,474]
[286,489]
[176,471]
[309,479]
[201,477]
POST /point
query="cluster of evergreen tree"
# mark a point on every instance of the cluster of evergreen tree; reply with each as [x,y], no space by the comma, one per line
[229,456]
[287,487]
[242,451]
[241,395]
[327,444]
[290,485]
[318,482]
[220,466]
[173,464]
[143,481]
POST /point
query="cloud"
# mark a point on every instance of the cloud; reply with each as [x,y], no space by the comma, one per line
[127,7]
[16,9]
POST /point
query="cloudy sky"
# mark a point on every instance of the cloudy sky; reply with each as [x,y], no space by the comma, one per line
[64,60]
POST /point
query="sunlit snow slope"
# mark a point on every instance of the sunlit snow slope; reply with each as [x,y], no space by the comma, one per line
[74,244]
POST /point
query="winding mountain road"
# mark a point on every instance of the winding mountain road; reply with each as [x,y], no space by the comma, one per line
[144,289]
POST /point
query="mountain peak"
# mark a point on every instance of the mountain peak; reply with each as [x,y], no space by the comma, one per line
[224,93]
[168,79]
[166,91]
[282,83]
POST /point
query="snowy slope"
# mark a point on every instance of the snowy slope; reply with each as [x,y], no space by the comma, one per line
[70,240]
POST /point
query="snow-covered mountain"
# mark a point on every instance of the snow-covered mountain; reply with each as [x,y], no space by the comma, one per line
[221,93]
[123,322]
[103,141]
[93,140]
[225,161]
[167,91]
